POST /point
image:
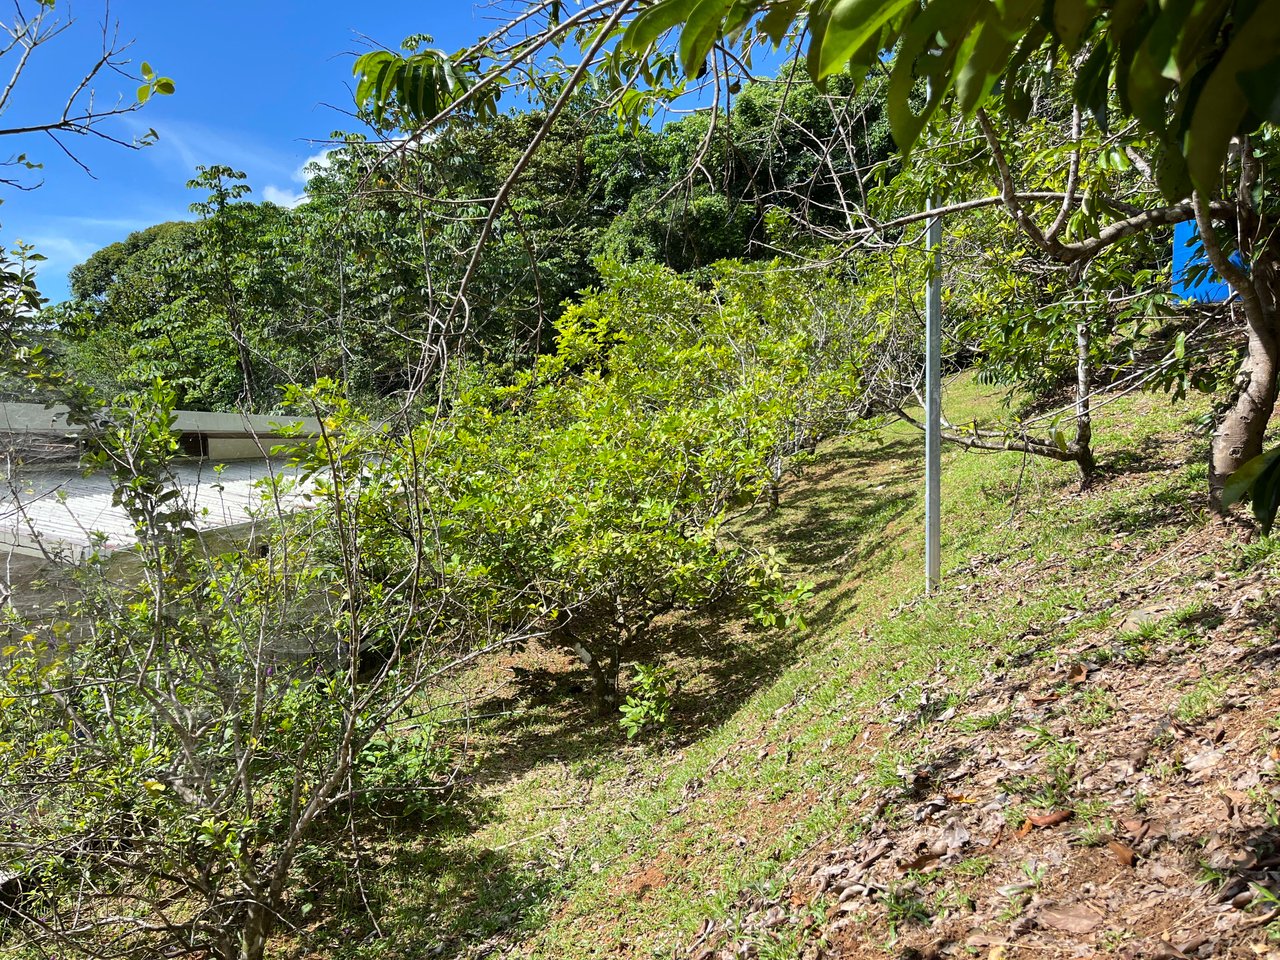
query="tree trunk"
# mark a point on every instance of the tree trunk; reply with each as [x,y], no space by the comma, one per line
[604,679]
[1242,430]
[1082,446]
[253,936]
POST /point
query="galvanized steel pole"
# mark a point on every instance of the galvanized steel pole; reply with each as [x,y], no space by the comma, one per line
[933,408]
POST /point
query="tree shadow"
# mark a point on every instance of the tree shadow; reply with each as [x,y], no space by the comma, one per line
[449,897]
[1154,454]
[830,538]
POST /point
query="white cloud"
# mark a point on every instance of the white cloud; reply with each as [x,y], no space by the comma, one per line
[61,253]
[312,166]
[284,197]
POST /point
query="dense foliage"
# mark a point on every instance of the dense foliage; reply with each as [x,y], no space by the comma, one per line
[555,355]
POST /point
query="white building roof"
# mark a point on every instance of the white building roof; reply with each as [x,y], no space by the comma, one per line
[56,509]
[37,418]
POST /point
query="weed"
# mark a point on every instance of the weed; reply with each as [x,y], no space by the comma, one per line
[973,867]
[1094,826]
[989,721]
[1035,873]
[649,705]
[892,769]
[903,906]
[1051,791]
[1271,900]
[1042,736]
[1095,707]
[1263,551]
[1203,700]
[1115,938]
[1270,808]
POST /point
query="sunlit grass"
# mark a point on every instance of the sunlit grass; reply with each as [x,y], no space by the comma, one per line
[593,840]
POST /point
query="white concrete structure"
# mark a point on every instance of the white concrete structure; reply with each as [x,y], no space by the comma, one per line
[55,510]
[35,419]
[50,508]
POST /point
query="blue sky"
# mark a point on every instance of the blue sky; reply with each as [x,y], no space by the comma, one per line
[258,84]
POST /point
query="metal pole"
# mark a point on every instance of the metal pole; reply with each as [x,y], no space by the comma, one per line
[933,407]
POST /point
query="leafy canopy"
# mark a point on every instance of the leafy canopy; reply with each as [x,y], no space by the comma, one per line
[1194,73]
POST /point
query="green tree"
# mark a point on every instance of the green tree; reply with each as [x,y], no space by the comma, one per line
[1199,82]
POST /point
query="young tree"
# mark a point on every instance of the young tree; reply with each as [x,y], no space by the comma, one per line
[180,745]
[1198,86]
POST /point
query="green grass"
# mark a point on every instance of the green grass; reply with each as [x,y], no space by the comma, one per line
[570,841]
[1203,700]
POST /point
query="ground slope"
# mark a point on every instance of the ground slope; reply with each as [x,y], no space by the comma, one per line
[1068,752]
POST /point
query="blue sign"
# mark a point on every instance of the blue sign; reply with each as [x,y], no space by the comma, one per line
[1193,278]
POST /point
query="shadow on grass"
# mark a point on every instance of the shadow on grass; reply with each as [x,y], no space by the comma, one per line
[421,894]
[1154,454]
[465,899]
[837,524]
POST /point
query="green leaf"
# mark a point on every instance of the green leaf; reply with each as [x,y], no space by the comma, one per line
[953,21]
[1240,483]
[1262,92]
[1090,87]
[1266,497]
[654,21]
[1220,109]
[991,49]
[779,19]
[700,33]
[1070,17]
[841,28]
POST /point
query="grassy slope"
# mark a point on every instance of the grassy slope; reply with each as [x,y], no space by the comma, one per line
[569,842]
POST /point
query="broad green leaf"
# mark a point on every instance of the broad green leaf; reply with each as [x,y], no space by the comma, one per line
[1221,107]
[1262,91]
[654,21]
[1265,498]
[700,33]
[1199,26]
[841,28]
[1070,17]
[979,70]
[779,19]
[1240,483]
[953,21]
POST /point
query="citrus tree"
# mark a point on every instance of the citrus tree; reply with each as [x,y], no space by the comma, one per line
[1194,83]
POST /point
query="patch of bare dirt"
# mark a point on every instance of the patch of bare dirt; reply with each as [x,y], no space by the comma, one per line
[1118,797]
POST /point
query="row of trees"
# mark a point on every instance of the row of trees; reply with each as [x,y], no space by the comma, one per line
[183,747]
[360,282]
[1178,99]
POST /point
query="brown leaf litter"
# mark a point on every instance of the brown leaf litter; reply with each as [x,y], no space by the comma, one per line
[1163,842]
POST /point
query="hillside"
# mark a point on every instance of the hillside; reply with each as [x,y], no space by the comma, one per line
[1068,752]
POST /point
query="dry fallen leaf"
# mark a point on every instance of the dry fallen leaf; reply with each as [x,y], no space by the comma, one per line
[1074,918]
[1122,852]
[1051,819]
[919,863]
[1078,674]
